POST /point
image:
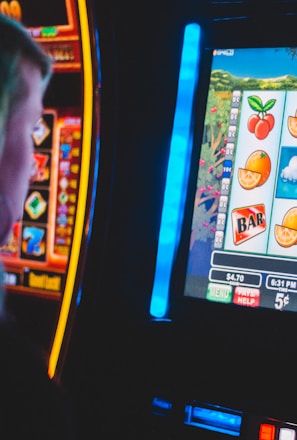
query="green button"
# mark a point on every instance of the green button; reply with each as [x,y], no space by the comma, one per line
[219,293]
[49,31]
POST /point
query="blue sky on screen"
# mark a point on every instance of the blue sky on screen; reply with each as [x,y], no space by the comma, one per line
[256,63]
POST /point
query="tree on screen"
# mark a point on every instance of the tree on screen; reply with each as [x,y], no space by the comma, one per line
[211,165]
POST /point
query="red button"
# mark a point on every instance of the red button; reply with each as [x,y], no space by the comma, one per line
[267,432]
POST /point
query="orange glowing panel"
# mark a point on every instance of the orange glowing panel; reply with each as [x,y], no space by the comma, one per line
[267,432]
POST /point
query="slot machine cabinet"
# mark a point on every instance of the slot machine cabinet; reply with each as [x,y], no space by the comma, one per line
[44,258]
[231,347]
[174,375]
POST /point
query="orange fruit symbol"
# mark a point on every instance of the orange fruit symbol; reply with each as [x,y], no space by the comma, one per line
[248,179]
[292,125]
[285,237]
[286,233]
[256,171]
[290,219]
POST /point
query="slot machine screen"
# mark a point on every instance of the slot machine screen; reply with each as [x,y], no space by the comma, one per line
[53,13]
[37,254]
[243,243]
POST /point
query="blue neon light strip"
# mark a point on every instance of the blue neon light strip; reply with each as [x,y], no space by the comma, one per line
[177,172]
[161,407]
[213,420]
[162,404]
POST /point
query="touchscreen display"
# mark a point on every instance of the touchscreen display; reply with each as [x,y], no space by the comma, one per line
[243,244]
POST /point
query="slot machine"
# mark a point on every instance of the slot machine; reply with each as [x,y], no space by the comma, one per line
[196,327]
[226,262]
[44,258]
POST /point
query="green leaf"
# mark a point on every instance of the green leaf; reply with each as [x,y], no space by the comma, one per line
[255,102]
[269,104]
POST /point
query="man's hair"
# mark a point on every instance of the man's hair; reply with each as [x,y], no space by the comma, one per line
[16,44]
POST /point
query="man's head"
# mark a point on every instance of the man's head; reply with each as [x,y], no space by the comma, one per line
[16,45]
[24,74]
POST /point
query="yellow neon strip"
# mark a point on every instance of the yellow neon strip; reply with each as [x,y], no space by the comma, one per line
[83,186]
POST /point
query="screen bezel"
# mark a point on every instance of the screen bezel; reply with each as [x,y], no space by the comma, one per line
[187,310]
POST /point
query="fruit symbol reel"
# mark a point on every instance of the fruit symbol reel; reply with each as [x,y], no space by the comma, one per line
[286,231]
[254,167]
